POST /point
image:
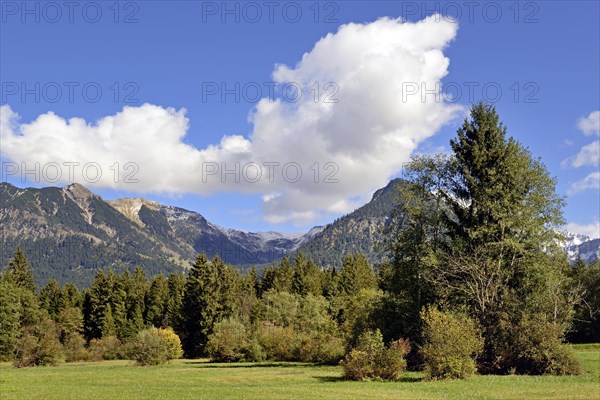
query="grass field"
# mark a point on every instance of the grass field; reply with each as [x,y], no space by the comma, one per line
[189,379]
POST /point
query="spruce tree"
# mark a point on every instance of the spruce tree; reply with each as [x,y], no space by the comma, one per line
[200,306]
[482,227]
[20,273]
[51,298]
[157,300]
[357,274]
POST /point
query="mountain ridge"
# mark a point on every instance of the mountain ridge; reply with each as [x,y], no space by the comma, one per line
[70,232]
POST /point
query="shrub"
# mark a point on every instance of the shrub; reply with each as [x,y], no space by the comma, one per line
[174,350]
[371,359]
[74,349]
[278,342]
[537,349]
[154,346]
[228,342]
[108,348]
[254,351]
[39,345]
[452,341]
[320,348]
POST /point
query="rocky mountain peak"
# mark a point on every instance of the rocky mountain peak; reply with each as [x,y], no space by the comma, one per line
[130,207]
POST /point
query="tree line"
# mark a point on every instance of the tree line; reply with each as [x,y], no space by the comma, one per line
[474,280]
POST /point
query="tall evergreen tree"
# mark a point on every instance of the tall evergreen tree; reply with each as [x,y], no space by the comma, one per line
[200,306]
[306,278]
[20,273]
[357,274]
[176,282]
[157,301]
[493,247]
[10,315]
[283,276]
[51,298]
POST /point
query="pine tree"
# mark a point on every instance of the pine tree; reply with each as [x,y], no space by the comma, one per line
[20,273]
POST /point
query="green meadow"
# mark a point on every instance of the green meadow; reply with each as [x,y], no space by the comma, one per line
[198,379]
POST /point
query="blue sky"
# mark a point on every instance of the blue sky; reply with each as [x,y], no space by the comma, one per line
[544,56]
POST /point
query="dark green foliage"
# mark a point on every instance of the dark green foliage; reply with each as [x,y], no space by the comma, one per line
[356,274]
[104,308]
[536,348]
[306,278]
[10,318]
[135,288]
[51,298]
[207,300]
[452,342]
[586,323]
[176,283]
[479,229]
[70,323]
[157,303]
[20,273]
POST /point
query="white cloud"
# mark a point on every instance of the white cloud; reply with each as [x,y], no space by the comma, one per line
[590,125]
[591,181]
[592,230]
[589,155]
[367,135]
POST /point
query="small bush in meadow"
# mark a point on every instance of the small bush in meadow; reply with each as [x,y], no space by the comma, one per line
[108,348]
[537,349]
[371,359]
[228,342]
[38,345]
[319,347]
[278,343]
[452,342]
[174,350]
[154,346]
[74,349]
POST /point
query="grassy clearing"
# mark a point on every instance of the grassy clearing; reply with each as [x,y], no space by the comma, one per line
[197,379]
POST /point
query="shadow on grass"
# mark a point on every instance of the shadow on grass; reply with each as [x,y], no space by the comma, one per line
[205,364]
[333,379]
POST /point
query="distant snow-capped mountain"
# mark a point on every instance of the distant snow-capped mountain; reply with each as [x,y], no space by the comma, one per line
[577,245]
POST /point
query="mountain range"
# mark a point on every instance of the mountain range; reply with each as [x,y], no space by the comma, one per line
[69,233]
